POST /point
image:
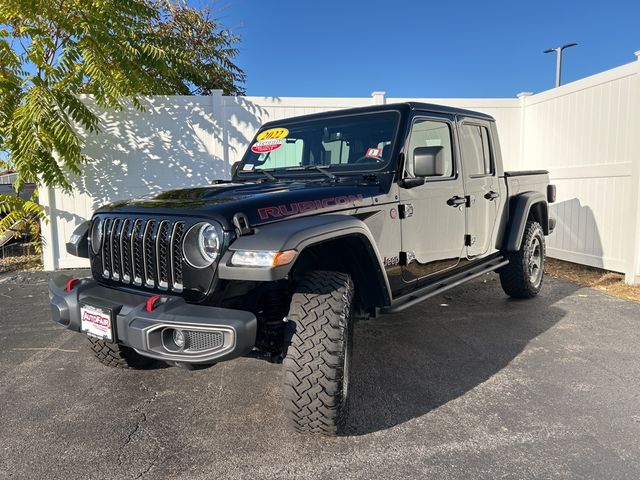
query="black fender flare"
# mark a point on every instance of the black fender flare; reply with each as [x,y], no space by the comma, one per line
[519,208]
[298,234]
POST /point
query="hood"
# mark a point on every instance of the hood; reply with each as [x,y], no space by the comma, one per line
[261,202]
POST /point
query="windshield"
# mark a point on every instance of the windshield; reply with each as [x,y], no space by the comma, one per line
[342,143]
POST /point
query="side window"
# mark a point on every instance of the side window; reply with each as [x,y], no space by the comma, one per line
[430,133]
[476,150]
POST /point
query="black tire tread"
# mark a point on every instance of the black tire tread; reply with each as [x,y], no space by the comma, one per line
[319,327]
[514,277]
[117,356]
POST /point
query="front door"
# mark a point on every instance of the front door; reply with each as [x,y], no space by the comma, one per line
[481,185]
[433,214]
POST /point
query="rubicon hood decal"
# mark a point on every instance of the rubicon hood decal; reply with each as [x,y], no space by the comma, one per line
[287,210]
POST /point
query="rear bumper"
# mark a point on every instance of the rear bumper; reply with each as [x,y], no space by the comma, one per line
[234,331]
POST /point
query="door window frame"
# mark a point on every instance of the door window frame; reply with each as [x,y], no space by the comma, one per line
[478,123]
[451,123]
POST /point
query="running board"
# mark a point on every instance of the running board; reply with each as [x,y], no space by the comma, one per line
[411,299]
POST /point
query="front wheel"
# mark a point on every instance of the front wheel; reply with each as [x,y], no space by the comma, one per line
[522,277]
[118,356]
[318,353]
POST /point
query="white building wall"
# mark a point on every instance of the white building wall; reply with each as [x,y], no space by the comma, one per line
[582,132]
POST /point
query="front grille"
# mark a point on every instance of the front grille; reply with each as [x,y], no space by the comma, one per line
[149,257]
[162,252]
[198,341]
[176,253]
[136,251]
[143,252]
[106,251]
[116,232]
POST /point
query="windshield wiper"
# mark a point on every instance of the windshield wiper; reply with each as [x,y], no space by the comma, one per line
[266,174]
[318,168]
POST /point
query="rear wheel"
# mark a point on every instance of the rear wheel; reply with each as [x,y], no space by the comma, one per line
[318,353]
[522,277]
[118,356]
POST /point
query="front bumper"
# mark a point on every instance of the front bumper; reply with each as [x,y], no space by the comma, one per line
[228,333]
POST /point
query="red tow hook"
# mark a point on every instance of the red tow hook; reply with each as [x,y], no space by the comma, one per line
[70,284]
[151,302]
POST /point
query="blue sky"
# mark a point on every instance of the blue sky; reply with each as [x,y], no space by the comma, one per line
[424,48]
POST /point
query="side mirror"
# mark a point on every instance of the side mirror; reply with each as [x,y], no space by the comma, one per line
[78,244]
[428,161]
[234,168]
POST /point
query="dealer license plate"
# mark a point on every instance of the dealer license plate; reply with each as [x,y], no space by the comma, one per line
[96,322]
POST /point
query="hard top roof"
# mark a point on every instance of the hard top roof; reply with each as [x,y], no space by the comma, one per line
[403,106]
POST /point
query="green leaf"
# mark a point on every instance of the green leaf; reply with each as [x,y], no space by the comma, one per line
[54,51]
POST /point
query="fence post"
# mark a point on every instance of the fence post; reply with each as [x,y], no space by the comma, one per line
[378,98]
[522,96]
[50,255]
[632,273]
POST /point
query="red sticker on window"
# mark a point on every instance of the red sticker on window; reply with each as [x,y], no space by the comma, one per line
[266,146]
[374,152]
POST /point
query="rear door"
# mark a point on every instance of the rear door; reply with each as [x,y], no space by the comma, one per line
[433,219]
[481,184]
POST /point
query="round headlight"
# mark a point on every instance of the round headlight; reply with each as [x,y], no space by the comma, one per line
[209,242]
[96,235]
[201,245]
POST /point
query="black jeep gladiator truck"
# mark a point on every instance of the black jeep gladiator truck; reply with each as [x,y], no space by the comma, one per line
[327,218]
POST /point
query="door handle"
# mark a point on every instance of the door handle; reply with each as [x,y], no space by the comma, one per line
[456,201]
[491,195]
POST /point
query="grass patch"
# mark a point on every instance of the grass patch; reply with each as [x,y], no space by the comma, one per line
[22,263]
[609,282]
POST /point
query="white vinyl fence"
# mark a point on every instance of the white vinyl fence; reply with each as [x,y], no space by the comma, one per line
[586,133]
[8,178]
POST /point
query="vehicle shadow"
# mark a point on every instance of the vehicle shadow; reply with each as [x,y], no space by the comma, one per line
[408,364]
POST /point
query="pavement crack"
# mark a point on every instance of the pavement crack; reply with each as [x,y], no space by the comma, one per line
[149,467]
[141,413]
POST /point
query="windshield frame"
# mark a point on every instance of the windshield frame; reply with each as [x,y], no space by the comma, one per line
[300,172]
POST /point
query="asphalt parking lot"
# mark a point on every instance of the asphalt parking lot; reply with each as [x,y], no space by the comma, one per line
[467,385]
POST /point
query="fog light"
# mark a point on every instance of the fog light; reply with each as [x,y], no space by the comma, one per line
[179,339]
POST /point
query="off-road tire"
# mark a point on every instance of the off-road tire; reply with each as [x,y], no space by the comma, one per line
[118,356]
[517,278]
[318,349]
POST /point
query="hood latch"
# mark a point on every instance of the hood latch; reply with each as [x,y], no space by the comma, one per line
[241,222]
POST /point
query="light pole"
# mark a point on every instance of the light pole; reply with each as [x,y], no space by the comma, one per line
[558,51]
